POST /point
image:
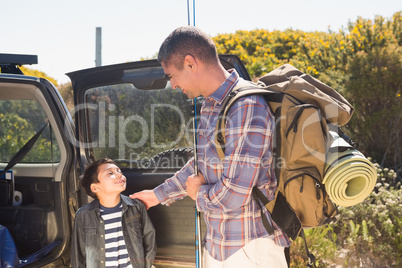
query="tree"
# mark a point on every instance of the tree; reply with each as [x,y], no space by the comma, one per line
[36,73]
[66,92]
[374,87]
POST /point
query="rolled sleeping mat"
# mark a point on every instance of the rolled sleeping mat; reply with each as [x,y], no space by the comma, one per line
[349,177]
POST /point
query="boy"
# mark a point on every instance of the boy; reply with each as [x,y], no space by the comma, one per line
[113,230]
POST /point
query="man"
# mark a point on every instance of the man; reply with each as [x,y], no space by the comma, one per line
[235,235]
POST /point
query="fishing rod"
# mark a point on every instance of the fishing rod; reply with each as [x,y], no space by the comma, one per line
[198,241]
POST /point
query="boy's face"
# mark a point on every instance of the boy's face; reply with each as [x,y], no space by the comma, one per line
[111,180]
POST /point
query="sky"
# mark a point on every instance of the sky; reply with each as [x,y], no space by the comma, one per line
[63,33]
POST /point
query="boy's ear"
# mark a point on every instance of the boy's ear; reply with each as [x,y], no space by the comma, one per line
[94,188]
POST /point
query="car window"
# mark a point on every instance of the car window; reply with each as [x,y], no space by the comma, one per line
[20,120]
[136,127]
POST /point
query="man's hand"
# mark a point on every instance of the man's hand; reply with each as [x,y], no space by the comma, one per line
[193,183]
[147,197]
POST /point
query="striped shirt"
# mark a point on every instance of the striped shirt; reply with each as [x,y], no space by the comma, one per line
[232,217]
[116,254]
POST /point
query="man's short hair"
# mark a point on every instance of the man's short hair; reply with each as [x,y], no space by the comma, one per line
[91,175]
[187,40]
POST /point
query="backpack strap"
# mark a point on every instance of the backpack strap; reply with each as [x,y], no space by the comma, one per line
[237,93]
[240,91]
[310,256]
[258,195]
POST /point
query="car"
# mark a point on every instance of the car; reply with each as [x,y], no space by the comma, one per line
[127,112]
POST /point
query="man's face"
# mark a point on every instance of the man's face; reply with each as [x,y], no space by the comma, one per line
[111,179]
[183,79]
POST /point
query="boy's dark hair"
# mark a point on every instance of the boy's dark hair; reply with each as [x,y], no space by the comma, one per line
[91,175]
[187,40]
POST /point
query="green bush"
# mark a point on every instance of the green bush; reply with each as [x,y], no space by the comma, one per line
[374,88]
[321,241]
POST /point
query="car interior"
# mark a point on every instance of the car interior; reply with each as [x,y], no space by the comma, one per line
[30,207]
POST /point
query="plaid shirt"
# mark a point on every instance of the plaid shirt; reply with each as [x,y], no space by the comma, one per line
[232,217]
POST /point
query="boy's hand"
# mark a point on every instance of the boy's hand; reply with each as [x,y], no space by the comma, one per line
[193,183]
[147,197]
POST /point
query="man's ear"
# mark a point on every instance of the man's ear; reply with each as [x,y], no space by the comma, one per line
[191,63]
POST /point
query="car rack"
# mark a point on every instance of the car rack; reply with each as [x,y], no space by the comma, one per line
[9,62]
